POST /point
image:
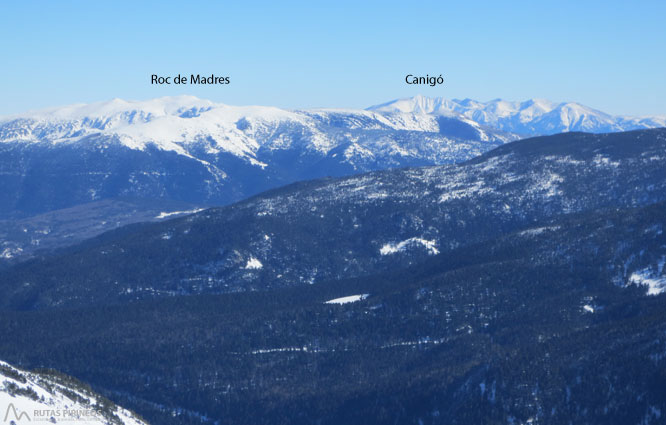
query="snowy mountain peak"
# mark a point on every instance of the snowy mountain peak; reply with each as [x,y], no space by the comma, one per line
[417,105]
[530,117]
[168,123]
[163,106]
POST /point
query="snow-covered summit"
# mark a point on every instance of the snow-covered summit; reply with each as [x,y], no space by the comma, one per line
[417,105]
[162,106]
[169,123]
[531,117]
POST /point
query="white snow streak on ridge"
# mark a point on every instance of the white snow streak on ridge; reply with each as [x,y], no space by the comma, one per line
[391,248]
[169,214]
[348,299]
[538,230]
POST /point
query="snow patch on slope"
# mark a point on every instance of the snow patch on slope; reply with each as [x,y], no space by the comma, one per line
[170,214]
[655,281]
[253,264]
[348,299]
[392,248]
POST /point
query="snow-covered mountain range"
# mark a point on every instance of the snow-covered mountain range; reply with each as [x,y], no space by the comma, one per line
[530,117]
[193,150]
[180,123]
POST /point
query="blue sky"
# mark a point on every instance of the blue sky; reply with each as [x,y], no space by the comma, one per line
[608,55]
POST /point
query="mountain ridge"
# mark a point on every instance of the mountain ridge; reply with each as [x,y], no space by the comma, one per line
[192,150]
[196,151]
[335,228]
[530,117]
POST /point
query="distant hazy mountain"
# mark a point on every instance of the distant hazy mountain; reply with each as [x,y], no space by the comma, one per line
[531,117]
[193,150]
[52,397]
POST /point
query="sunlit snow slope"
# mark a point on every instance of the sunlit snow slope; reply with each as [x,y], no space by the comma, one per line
[50,397]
